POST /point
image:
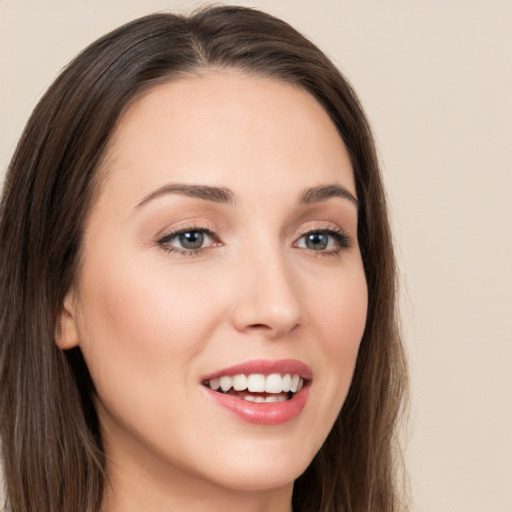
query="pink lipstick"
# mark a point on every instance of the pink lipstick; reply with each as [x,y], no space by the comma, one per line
[263,392]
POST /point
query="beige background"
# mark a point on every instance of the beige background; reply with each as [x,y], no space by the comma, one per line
[436,80]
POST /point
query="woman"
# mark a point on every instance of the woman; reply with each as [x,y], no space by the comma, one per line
[197,280]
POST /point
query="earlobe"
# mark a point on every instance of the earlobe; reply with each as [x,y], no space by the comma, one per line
[66,329]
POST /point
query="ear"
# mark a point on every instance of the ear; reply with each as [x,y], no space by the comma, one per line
[66,329]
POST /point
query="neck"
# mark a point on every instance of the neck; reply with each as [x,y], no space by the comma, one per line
[125,493]
[138,484]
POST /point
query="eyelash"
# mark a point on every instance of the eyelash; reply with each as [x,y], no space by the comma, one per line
[164,241]
[342,240]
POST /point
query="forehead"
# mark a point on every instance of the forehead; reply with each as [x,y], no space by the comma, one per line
[227,128]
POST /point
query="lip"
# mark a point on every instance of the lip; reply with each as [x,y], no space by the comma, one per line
[266,367]
[273,413]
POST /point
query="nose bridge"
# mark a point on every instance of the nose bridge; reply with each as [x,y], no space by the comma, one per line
[269,296]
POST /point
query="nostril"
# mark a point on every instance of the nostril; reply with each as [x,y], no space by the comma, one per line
[266,310]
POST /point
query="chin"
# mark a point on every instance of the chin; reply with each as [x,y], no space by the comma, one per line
[275,471]
[254,481]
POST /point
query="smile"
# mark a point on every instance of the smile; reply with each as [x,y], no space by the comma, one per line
[257,387]
[261,392]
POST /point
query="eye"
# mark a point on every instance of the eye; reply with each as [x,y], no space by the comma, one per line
[188,241]
[328,241]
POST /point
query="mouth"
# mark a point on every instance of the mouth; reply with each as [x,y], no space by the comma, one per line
[262,392]
[257,387]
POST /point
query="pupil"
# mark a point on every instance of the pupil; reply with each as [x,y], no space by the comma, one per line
[316,241]
[192,240]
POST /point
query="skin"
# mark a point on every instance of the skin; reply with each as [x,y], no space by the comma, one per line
[152,319]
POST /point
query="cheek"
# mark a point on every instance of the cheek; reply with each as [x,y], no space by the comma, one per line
[340,320]
[341,312]
[136,322]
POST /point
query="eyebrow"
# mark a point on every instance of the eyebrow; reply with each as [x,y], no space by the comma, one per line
[323,193]
[224,195]
[206,192]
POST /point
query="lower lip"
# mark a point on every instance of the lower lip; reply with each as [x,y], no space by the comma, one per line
[266,413]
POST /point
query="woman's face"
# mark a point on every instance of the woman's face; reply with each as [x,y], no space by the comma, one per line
[223,242]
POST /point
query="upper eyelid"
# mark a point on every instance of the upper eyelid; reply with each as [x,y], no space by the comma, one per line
[330,227]
[311,227]
[326,226]
[178,230]
[332,231]
[163,242]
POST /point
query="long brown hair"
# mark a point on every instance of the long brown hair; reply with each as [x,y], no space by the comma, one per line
[51,441]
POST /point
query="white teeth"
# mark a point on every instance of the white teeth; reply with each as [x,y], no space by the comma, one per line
[226,383]
[256,383]
[274,383]
[294,384]
[268,399]
[280,398]
[240,382]
[286,381]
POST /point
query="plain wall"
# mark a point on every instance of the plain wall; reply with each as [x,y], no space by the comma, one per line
[436,80]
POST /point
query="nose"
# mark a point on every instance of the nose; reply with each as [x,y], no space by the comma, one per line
[268,297]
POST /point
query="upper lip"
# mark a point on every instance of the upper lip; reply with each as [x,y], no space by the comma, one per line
[265,367]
